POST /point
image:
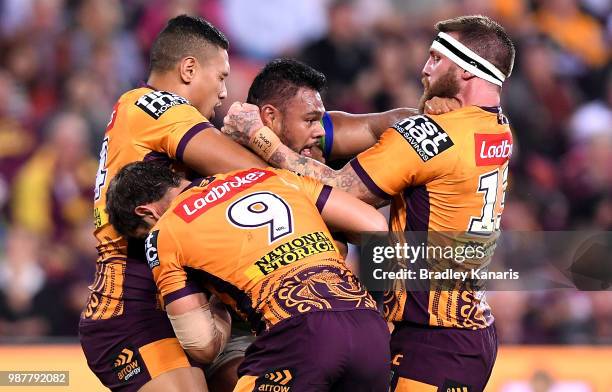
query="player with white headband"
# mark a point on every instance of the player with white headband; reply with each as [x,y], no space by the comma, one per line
[445,173]
[467,59]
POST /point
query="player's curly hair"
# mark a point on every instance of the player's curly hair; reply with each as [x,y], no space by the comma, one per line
[280,80]
[485,37]
[137,184]
[184,36]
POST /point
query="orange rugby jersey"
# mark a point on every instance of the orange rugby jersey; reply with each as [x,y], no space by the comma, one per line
[145,125]
[256,239]
[446,174]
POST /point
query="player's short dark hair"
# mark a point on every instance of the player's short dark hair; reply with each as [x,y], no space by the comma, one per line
[136,184]
[485,37]
[184,36]
[280,80]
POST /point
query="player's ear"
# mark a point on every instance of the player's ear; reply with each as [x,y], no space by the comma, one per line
[148,213]
[187,69]
[270,116]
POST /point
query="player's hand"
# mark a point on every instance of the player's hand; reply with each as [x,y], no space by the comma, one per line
[241,121]
[438,105]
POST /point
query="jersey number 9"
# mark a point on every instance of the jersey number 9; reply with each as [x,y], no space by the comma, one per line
[262,209]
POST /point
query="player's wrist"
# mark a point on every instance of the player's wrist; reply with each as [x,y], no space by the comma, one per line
[264,142]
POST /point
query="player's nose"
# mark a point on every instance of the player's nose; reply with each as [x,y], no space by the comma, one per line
[318,131]
[426,71]
[223,92]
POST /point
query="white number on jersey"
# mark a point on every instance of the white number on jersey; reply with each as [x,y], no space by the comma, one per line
[101,174]
[262,209]
[489,220]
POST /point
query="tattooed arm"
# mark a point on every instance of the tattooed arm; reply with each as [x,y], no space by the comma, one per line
[345,179]
[242,122]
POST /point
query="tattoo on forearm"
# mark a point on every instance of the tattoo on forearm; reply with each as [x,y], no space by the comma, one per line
[345,179]
[277,159]
[241,125]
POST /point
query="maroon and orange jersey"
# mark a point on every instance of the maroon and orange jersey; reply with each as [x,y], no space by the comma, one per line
[145,125]
[256,239]
[446,174]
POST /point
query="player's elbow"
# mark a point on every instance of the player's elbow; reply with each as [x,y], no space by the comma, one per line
[206,354]
[201,333]
[378,222]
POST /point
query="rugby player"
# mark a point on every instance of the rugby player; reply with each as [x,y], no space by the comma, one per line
[258,240]
[126,336]
[443,172]
[288,94]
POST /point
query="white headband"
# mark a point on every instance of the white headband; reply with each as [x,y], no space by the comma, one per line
[467,59]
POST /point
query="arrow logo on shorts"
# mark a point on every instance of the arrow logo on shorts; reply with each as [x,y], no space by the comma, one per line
[124,357]
[281,377]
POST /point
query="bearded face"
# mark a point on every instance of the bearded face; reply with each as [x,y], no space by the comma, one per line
[446,86]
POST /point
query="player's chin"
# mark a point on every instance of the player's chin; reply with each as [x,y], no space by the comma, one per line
[313,152]
[210,111]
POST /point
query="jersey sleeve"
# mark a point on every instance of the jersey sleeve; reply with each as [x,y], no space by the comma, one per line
[412,152]
[166,131]
[163,255]
[314,190]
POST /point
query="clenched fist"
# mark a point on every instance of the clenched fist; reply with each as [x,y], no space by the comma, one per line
[241,121]
[438,105]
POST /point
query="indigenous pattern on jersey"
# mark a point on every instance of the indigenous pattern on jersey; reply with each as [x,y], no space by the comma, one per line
[256,239]
[446,174]
[145,125]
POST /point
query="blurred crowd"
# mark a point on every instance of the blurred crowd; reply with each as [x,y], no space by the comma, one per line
[65,62]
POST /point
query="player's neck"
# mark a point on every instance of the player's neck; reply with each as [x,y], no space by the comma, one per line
[167,82]
[184,184]
[479,94]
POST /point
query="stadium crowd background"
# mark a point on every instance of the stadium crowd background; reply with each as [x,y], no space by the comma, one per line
[64,63]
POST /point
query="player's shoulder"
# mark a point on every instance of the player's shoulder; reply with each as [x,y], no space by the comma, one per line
[147,104]
[284,173]
[454,123]
[247,176]
[133,94]
[208,193]
[152,243]
[169,229]
[425,135]
[471,115]
[485,130]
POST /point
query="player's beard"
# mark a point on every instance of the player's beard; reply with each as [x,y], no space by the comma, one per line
[447,86]
[212,114]
[315,152]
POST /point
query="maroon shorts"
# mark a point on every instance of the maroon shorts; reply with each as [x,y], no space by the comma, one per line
[441,359]
[320,351]
[128,350]
[125,352]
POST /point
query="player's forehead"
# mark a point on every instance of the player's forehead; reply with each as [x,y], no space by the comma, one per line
[435,52]
[216,58]
[307,100]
